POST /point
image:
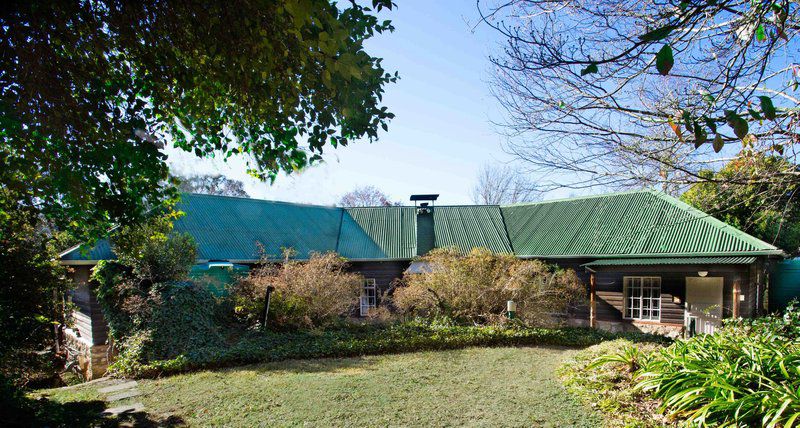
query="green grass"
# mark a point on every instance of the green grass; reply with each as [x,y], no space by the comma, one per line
[473,386]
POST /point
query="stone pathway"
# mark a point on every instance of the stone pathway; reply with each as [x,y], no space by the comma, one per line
[117,391]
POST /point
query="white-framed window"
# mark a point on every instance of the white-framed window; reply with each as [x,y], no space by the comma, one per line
[368,296]
[642,297]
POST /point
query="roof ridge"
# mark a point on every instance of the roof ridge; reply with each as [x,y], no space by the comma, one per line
[259,200]
[578,198]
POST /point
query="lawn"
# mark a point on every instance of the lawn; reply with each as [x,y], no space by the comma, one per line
[475,386]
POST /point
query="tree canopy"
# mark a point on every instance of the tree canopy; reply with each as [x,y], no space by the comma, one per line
[366,196]
[503,184]
[623,93]
[90,93]
[212,184]
[770,213]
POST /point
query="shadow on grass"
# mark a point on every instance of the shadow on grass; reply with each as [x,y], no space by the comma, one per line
[42,412]
[320,365]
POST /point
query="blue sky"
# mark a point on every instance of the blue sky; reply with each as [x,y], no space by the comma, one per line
[442,133]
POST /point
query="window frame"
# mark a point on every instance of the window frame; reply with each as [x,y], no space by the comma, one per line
[368,285]
[627,299]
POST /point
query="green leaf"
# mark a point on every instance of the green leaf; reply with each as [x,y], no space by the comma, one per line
[700,135]
[767,107]
[718,144]
[664,60]
[591,68]
[657,34]
[739,125]
[710,124]
[754,114]
[687,120]
[761,34]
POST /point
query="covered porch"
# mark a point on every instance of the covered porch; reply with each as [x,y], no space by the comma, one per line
[674,296]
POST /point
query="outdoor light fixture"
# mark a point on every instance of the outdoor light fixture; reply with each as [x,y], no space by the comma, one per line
[511,309]
[702,273]
[220,265]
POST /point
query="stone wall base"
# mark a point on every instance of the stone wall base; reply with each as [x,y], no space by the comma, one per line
[92,359]
[668,330]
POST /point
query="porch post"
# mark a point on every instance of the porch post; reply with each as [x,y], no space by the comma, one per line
[591,301]
[735,305]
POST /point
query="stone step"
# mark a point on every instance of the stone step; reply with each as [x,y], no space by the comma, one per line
[118,387]
[123,395]
[130,408]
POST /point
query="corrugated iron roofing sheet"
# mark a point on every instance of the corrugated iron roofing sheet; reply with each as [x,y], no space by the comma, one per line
[378,233]
[633,224]
[233,228]
[638,223]
[673,261]
[468,227]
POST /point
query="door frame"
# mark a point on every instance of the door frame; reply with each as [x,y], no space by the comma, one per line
[687,315]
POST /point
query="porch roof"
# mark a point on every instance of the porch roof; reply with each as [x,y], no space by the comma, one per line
[673,261]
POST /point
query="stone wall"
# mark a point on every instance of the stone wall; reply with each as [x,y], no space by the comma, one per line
[92,359]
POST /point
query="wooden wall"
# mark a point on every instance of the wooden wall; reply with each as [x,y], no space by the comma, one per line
[89,321]
[383,272]
[609,289]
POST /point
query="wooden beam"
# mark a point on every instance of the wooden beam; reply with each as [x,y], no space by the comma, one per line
[592,293]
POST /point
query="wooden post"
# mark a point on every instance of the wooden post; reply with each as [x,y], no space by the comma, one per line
[735,306]
[265,313]
[592,312]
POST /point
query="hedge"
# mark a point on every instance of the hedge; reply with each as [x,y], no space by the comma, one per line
[418,335]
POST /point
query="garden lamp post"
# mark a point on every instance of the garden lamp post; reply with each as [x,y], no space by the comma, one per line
[511,309]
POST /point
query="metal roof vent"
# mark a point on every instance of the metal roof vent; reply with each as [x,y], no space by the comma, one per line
[424,201]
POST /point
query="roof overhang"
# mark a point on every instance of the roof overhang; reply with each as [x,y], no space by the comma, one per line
[671,261]
[778,253]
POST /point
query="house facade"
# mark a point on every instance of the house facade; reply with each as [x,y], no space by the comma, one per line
[649,261]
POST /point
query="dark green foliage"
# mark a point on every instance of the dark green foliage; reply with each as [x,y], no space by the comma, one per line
[152,310]
[153,253]
[664,60]
[92,91]
[357,340]
[768,211]
[178,319]
[727,378]
[746,374]
[32,284]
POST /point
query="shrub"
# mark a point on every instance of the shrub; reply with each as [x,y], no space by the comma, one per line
[308,294]
[153,312]
[31,278]
[369,339]
[475,287]
[745,374]
[727,378]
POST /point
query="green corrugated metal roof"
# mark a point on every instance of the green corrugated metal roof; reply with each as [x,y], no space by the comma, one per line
[468,227]
[232,228]
[641,223]
[378,233]
[633,224]
[100,251]
[673,261]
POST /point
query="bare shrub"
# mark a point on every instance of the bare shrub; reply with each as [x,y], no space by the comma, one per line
[475,287]
[307,294]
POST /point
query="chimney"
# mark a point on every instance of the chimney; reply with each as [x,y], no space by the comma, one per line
[426,237]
